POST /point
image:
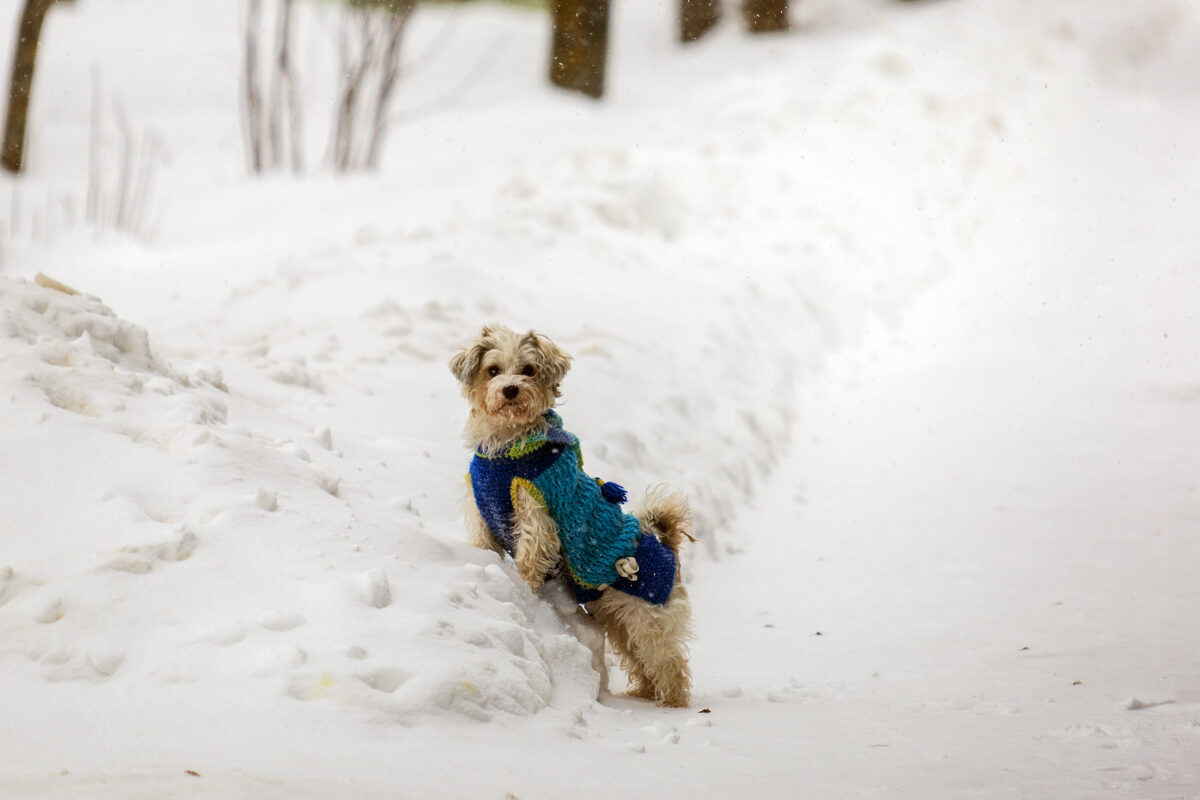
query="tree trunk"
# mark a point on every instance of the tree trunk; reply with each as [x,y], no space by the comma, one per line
[696,17]
[275,105]
[765,16]
[295,115]
[284,120]
[580,48]
[21,82]
[253,98]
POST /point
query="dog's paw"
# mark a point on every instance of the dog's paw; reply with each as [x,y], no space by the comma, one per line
[627,568]
[533,578]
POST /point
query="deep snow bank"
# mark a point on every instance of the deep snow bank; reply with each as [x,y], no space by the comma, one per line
[161,531]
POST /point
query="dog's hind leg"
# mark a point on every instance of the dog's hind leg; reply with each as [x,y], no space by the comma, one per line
[663,649]
[652,643]
[640,684]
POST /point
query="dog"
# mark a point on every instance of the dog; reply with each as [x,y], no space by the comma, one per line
[528,498]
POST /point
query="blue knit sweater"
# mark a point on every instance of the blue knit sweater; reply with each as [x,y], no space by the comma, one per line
[592,529]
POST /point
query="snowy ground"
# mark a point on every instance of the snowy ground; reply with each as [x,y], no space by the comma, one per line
[905,299]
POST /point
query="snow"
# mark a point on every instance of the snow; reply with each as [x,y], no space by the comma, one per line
[904,299]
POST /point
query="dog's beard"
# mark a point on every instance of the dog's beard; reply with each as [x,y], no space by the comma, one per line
[497,422]
[515,414]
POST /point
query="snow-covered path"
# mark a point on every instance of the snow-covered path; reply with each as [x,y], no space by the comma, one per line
[964,599]
[976,575]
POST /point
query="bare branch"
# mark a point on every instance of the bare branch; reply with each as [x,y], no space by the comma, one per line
[387,83]
[94,148]
[128,156]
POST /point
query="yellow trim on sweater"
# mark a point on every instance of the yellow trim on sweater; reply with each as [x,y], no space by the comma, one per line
[527,485]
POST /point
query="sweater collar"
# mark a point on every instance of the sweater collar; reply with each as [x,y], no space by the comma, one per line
[551,429]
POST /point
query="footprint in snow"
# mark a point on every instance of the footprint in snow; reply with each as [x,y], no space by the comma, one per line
[280,621]
[228,635]
[309,687]
[105,662]
[50,611]
[386,680]
[141,559]
[276,657]
[295,451]
[11,583]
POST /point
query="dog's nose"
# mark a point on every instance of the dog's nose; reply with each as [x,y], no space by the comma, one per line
[511,392]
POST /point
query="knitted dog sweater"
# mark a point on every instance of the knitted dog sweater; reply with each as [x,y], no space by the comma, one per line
[592,529]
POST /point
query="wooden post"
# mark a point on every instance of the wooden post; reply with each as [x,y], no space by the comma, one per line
[21,82]
[765,16]
[580,47]
[696,17]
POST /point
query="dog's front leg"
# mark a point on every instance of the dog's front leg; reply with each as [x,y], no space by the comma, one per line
[478,532]
[536,534]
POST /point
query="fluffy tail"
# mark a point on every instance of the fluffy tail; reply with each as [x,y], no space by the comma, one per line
[666,514]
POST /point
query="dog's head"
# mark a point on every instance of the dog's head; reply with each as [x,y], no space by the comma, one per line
[510,380]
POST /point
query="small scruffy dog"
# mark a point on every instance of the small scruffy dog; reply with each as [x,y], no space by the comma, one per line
[530,499]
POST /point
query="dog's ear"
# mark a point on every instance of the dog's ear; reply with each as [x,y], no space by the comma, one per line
[465,363]
[553,362]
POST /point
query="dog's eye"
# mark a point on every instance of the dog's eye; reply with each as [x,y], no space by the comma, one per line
[493,371]
[528,370]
